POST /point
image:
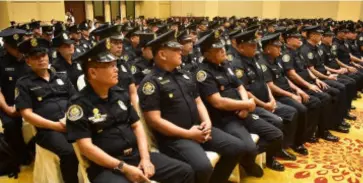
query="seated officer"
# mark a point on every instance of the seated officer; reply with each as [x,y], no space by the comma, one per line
[75,35]
[172,107]
[131,42]
[296,70]
[250,73]
[312,56]
[108,132]
[333,66]
[231,109]
[47,32]
[189,62]
[12,67]
[42,97]
[143,64]
[126,80]
[64,63]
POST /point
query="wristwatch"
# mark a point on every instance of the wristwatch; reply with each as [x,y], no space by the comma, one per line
[119,167]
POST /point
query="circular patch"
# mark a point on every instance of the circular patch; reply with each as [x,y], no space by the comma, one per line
[310,55]
[286,58]
[16,92]
[264,68]
[133,69]
[15,37]
[34,42]
[108,43]
[148,88]
[239,73]
[74,113]
[201,76]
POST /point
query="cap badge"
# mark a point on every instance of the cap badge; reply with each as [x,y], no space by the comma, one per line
[216,34]
[65,36]
[34,42]
[108,43]
[16,37]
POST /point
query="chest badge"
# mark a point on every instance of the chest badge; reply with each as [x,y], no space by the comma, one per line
[97,116]
[40,99]
[10,78]
[123,68]
[60,82]
[239,73]
[171,95]
[122,105]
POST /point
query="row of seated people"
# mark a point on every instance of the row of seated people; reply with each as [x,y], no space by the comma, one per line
[212,108]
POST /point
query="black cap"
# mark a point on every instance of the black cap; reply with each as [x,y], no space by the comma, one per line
[192,27]
[351,27]
[341,28]
[84,26]
[12,36]
[234,32]
[204,33]
[253,27]
[273,39]
[291,32]
[280,29]
[246,37]
[26,28]
[165,40]
[59,27]
[114,32]
[47,29]
[99,53]
[34,25]
[34,46]
[184,37]
[313,28]
[133,32]
[211,40]
[162,29]
[74,29]
[62,38]
[145,38]
[328,32]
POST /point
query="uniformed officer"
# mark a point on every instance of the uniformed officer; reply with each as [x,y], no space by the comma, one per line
[35,28]
[250,73]
[312,56]
[143,64]
[63,61]
[296,70]
[75,35]
[41,97]
[189,62]
[28,32]
[87,41]
[47,32]
[350,80]
[12,67]
[228,104]
[131,42]
[351,36]
[172,107]
[107,129]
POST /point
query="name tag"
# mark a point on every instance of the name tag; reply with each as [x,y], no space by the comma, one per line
[35,88]
[165,81]
[9,69]
[98,118]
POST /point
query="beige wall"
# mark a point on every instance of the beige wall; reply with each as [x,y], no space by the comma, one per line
[349,10]
[4,16]
[309,9]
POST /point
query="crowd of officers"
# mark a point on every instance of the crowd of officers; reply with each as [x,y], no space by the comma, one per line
[201,85]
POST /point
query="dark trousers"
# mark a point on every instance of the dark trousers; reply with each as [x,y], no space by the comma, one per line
[167,170]
[230,148]
[285,118]
[351,86]
[14,136]
[358,78]
[340,101]
[270,136]
[58,144]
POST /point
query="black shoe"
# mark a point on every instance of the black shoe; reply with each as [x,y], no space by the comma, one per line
[341,129]
[254,170]
[285,155]
[351,117]
[275,165]
[329,137]
[313,140]
[301,149]
[353,108]
[345,124]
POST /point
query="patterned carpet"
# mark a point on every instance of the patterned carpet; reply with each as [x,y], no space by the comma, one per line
[327,162]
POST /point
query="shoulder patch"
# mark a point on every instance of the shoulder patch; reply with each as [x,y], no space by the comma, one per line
[74,113]
[16,92]
[286,58]
[201,76]
[148,88]
[133,69]
[239,73]
[264,68]
[310,55]
[230,57]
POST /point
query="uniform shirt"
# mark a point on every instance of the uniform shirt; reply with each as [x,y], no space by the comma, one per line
[360,42]
[48,99]
[129,52]
[125,77]
[220,79]
[274,72]
[250,73]
[79,48]
[292,59]
[328,56]
[171,93]
[354,48]
[140,68]
[189,63]
[87,44]
[312,56]
[341,51]
[73,70]
[10,71]
[106,121]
